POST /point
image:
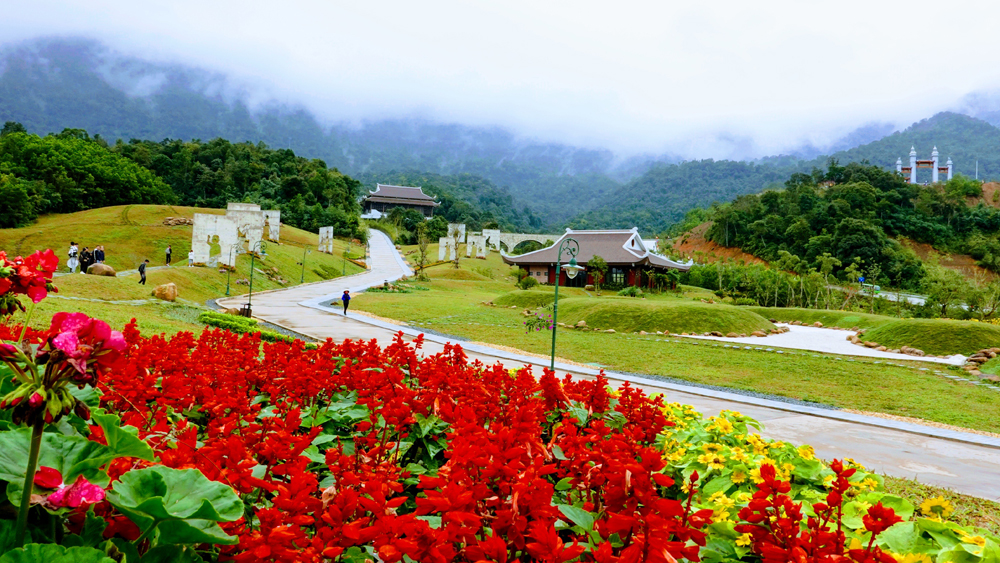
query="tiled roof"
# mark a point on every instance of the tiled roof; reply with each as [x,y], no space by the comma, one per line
[616,247]
[402,194]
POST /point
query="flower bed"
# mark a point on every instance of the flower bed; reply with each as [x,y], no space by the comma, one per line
[224,447]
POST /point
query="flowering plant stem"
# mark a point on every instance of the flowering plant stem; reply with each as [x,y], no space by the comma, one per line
[29,481]
[27,321]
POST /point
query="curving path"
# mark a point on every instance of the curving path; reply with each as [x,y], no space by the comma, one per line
[968,463]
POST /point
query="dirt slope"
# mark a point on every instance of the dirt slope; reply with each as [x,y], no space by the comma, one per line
[694,245]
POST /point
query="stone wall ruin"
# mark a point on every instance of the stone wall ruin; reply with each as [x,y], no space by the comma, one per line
[244,224]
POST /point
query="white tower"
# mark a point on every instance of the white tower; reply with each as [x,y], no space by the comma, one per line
[950,167]
[913,165]
[899,166]
[934,170]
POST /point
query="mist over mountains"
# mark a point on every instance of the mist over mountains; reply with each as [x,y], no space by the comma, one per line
[52,84]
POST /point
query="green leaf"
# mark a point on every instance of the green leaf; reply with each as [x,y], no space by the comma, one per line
[171,554]
[7,532]
[123,441]
[428,426]
[70,455]
[52,553]
[564,484]
[92,534]
[183,504]
[579,516]
[716,485]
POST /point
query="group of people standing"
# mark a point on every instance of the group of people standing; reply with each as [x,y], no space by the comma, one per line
[85,258]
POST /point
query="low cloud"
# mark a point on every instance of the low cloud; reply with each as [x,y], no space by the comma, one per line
[720,80]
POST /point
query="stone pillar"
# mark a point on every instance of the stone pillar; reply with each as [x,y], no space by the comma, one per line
[950,167]
[899,166]
[913,165]
[934,170]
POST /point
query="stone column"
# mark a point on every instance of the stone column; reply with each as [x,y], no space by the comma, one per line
[913,165]
[934,171]
[899,166]
[950,167]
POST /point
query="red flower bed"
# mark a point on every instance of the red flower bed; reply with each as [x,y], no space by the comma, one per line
[347,446]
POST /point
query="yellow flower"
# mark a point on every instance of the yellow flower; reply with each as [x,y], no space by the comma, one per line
[712,448]
[807,452]
[968,538]
[828,481]
[744,540]
[722,500]
[855,544]
[913,558]
[720,424]
[936,507]
[867,483]
[864,506]
[738,454]
[738,476]
[722,516]
[743,496]
[755,476]
[713,461]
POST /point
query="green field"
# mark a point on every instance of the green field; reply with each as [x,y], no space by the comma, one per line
[936,336]
[130,233]
[458,304]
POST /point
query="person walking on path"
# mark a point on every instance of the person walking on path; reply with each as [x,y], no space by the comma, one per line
[346,298]
[142,272]
[99,254]
[86,259]
[168,255]
[190,259]
[73,261]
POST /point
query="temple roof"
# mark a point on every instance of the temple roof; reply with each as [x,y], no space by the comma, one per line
[617,248]
[401,194]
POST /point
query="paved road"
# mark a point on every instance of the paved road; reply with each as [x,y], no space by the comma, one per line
[965,462]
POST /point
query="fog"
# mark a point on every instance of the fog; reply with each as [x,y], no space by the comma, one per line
[721,80]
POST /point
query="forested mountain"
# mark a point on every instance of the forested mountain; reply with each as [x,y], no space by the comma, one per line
[51,85]
[56,84]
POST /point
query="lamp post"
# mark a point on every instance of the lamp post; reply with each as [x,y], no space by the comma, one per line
[305,250]
[259,247]
[232,265]
[571,247]
[346,252]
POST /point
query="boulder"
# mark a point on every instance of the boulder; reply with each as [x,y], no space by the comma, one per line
[818,324]
[893,351]
[993,378]
[715,333]
[610,331]
[978,359]
[773,320]
[976,373]
[881,348]
[871,344]
[732,335]
[581,324]
[658,332]
[101,270]
[911,351]
[562,324]
[759,333]
[231,311]
[166,292]
[743,335]
[642,333]
[175,221]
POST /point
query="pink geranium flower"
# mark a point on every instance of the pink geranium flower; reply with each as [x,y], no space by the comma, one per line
[80,493]
[86,342]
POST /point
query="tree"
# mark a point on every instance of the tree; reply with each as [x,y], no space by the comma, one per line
[944,287]
[598,268]
[12,127]
[422,246]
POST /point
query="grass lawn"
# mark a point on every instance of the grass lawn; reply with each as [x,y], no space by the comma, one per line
[455,305]
[937,336]
[132,232]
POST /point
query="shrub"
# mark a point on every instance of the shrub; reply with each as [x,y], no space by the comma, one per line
[527,283]
[745,301]
[630,292]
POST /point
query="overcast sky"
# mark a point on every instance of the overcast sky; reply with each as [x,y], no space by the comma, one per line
[699,79]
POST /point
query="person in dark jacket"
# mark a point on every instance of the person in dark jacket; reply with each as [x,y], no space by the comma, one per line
[168,255]
[142,272]
[86,259]
[346,298]
[99,254]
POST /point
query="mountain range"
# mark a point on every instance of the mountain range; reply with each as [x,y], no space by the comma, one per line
[52,84]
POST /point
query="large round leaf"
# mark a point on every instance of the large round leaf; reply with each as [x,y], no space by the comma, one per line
[182,503]
[53,553]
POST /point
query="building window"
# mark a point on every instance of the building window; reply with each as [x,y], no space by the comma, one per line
[616,276]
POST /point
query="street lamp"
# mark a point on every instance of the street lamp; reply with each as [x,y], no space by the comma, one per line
[572,269]
[232,265]
[305,250]
[259,247]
